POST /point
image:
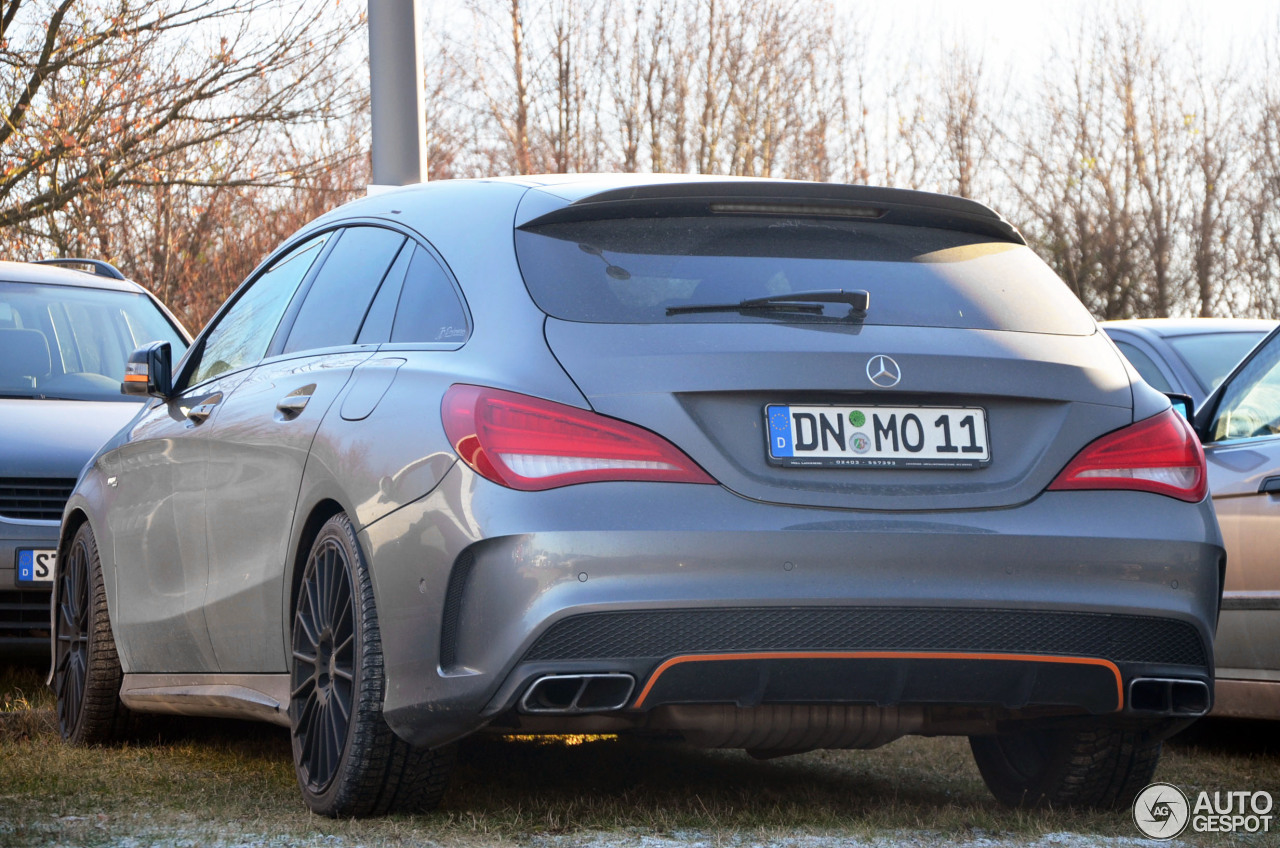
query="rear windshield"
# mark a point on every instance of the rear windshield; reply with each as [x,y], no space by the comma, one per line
[631,271]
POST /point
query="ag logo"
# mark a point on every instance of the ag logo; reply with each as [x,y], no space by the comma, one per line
[1161,811]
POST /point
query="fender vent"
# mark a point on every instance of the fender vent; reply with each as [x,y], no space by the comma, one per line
[453,608]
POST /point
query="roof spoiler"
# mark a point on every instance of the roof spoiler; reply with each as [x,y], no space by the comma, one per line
[785,198]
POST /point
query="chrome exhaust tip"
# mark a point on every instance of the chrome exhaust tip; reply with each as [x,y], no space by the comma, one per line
[564,694]
[1169,696]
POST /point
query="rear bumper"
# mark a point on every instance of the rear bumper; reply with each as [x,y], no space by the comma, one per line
[706,597]
[24,608]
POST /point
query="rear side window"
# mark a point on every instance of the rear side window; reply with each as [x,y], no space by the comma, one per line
[382,312]
[1145,367]
[342,291]
[633,270]
[429,310]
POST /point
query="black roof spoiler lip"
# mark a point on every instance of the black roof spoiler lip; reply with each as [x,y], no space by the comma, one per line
[894,206]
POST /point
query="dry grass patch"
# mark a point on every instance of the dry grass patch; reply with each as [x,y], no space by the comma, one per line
[193,782]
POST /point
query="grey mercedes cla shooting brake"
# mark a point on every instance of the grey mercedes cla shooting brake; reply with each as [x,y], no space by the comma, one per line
[771,465]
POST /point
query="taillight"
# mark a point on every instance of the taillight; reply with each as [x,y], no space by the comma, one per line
[1159,454]
[531,444]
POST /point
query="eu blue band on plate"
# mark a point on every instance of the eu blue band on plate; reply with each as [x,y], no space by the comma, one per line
[26,565]
[780,431]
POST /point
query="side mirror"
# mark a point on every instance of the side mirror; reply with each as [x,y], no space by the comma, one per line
[150,371]
[1185,406]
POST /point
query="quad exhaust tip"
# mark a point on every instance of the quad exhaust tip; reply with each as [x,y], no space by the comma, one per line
[1169,696]
[578,693]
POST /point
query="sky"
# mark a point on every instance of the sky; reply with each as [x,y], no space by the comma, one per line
[1022,33]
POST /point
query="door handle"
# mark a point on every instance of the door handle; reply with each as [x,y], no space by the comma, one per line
[198,413]
[1270,486]
[292,404]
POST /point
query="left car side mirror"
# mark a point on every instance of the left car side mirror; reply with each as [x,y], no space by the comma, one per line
[150,371]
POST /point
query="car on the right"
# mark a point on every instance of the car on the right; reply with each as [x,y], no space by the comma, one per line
[1237,416]
[1189,356]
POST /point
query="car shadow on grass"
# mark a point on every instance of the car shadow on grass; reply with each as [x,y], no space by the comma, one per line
[568,783]
[611,782]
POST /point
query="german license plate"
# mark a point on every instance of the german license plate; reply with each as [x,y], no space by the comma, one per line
[36,566]
[877,436]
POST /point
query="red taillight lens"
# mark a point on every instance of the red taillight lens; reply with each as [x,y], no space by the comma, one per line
[1160,454]
[531,444]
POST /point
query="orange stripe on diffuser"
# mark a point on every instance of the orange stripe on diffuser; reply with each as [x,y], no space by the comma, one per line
[880,655]
[135,378]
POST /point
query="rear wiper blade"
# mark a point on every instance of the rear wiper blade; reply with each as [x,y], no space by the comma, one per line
[810,302]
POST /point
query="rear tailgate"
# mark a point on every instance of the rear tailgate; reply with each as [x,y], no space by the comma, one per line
[706,388]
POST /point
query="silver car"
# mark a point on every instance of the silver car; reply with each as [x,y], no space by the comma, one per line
[772,465]
[1189,356]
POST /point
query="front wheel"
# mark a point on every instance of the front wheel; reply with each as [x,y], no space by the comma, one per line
[348,761]
[1102,767]
[86,671]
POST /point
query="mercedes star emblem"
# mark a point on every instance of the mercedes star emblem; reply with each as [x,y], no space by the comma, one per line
[883,371]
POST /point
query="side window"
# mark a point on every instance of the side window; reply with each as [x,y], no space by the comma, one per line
[1144,366]
[340,295]
[243,332]
[377,323]
[1250,405]
[429,310]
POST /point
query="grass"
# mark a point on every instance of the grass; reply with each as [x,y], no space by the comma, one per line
[197,782]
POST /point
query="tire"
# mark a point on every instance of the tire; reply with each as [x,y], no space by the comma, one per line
[1101,767]
[348,761]
[86,672]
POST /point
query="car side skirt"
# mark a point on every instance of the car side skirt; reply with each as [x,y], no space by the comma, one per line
[259,697]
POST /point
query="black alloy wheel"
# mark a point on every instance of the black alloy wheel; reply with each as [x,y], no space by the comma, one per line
[348,761]
[324,668]
[72,632]
[86,673]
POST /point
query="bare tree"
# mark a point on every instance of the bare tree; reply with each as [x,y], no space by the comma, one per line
[104,94]
[1098,179]
[1257,252]
[966,123]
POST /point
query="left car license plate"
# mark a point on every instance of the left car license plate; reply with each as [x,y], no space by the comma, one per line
[36,565]
[877,436]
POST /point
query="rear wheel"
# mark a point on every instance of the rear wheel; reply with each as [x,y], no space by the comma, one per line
[1100,767]
[348,761]
[86,672]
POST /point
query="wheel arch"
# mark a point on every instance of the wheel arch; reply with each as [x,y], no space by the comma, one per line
[320,512]
[70,525]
